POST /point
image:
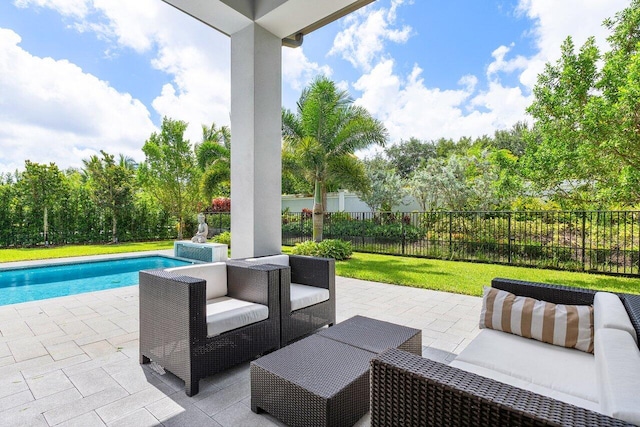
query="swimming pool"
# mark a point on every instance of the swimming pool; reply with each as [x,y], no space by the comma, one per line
[56,280]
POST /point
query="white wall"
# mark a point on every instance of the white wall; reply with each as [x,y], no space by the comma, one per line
[352,203]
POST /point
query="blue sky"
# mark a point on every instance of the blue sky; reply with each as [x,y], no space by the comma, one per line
[77,76]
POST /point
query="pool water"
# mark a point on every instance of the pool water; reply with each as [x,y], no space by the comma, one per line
[49,281]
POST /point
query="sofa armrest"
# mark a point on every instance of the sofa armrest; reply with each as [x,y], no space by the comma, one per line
[313,271]
[408,390]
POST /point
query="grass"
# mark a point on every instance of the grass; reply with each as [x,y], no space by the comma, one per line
[450,276]
[30,254]
[466,277]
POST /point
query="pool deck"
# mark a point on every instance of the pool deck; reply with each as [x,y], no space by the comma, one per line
[73,361]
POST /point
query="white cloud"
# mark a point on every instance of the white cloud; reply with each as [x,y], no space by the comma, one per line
[76,8]
[555,20]
[53,111]
[365,34]
[298,70]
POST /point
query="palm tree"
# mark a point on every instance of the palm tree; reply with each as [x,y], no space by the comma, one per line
[213,155]
[324,135]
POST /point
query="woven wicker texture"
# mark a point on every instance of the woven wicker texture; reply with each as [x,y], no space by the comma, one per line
[173,328]
[375,335]
[313,382]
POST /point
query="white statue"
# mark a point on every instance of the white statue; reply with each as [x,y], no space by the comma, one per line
[203,231]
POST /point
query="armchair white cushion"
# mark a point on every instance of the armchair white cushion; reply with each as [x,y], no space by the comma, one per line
[225,314]
[215,274]
[304,296]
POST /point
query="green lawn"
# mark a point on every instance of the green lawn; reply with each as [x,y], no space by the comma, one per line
[29,254]
[466,277]
[450,276]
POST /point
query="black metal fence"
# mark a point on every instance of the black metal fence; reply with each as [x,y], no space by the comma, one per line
[594,241]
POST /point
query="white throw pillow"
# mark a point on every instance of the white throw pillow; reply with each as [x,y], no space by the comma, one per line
[214,273]
[609,312]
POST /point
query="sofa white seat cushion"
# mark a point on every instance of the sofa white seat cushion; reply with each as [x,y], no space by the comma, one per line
[304,296]
[556,368]
[271,259]
[214,273]
[609,312]
[225,314]
[618,370]
[526,385]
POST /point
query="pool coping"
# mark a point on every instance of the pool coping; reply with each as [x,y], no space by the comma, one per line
[79,259]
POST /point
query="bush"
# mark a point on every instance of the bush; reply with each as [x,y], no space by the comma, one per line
[224,238]
[330,248]
[221,204]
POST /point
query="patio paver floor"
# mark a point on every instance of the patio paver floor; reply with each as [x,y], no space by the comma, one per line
[73,361]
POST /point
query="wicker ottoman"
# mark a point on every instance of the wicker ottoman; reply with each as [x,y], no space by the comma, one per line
[375,335]
[323,380]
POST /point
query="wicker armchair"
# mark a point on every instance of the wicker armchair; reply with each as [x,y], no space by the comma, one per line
[173,324]
[408,390]
[303,270]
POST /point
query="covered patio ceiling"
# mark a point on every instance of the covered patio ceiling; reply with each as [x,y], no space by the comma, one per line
[287,19]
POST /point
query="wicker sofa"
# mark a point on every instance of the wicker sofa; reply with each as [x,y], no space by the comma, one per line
[307,293]
[198,320]
[477,389]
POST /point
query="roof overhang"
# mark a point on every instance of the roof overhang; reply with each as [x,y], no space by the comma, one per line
[288,19]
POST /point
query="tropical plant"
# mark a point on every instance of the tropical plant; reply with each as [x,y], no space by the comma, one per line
[214,160]
[323,135]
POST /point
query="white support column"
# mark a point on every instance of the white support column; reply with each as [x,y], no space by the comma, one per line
[256,133]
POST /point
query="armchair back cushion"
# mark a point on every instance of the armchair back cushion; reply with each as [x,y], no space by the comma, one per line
[609,312]
[225,314]
[272,259]
[558,324]
[618,372]
[215,274]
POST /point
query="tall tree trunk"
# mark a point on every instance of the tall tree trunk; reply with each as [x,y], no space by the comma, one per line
[180,227]
[114,228]
[46,227]
[318,213]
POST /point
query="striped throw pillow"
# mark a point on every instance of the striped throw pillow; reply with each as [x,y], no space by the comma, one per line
[563,325]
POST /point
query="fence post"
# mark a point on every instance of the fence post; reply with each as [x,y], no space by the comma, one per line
[450,234]
[584,240]
[402,232]
[509,248]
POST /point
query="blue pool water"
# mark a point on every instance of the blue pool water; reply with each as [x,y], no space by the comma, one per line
[29,284]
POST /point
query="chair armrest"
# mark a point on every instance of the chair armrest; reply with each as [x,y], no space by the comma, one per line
[173,302]
[313,271]
[257,283]
[408,390]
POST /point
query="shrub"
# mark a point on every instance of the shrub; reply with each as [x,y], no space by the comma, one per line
[307,213]
[330,248]
[224,238]
[221,204]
